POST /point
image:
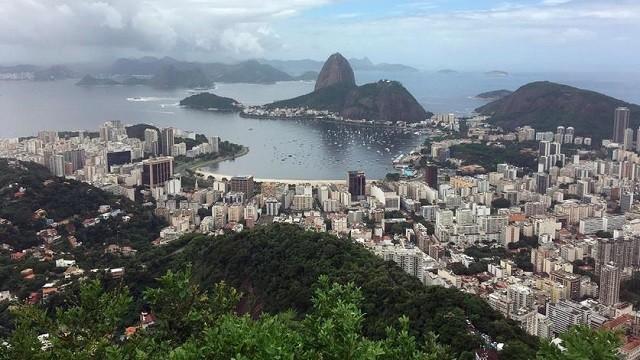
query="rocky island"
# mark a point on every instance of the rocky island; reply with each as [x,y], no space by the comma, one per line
[336,92]
[209,101]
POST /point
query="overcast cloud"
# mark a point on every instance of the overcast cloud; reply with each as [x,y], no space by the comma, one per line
[465,34]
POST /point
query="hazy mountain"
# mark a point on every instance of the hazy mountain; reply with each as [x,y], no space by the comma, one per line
[248,72]
[364,64]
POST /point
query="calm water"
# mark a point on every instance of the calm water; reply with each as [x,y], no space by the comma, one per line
[279,148]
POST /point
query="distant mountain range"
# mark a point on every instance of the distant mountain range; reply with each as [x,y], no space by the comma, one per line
[364,64]
[336,91]
[545,105]
[167,72]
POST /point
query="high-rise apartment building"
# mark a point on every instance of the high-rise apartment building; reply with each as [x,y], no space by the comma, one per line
[357,183]
[157,171]
[620,123]
[242,184]
[628,140]
[215,143]
[609,293]
[431,175]
[167,140]
[151,142]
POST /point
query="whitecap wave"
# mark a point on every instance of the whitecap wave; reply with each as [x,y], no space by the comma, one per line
[148,99]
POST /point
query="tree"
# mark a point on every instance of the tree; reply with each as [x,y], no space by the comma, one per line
[196,324]
[500,203]
[82,330]
[582,342]
[392,177]
[604,234]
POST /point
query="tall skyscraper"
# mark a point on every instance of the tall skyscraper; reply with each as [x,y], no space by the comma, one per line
[157,171]
[542,182]
[215,143]
[167,139]
[431,175]
[151,142]
[544,148]
[626,201]
[627,144]
[609,285]
[620,124]
[357,183]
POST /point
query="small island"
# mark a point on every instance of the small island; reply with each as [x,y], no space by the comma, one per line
[496,73]
[209,101]
[493,95]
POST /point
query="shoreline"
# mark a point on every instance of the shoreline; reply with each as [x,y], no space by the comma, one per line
[217,176]
[195,166]
[333,121]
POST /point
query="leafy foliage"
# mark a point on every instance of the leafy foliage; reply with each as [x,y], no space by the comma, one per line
[196,324]
[488,156]
[276,267]
[582,342]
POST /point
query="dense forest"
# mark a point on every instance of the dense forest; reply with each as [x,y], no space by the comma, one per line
[488,156]
[276,266]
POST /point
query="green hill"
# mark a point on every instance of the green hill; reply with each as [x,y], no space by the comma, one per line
[545,105]
[276,267]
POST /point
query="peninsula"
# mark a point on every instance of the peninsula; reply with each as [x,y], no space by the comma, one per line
[336,92]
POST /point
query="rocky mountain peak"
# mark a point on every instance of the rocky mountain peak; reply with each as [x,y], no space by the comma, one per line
[336,70]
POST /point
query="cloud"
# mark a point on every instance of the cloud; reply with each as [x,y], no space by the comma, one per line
[570,34]
[164,26]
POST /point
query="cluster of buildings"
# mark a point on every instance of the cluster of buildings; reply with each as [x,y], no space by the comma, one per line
[558,241]
[110,159]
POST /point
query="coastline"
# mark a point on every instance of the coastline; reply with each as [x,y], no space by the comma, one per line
[315,182]
[365,123]
[217,176]
[194,166]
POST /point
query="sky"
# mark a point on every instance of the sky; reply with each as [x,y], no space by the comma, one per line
[528,35]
